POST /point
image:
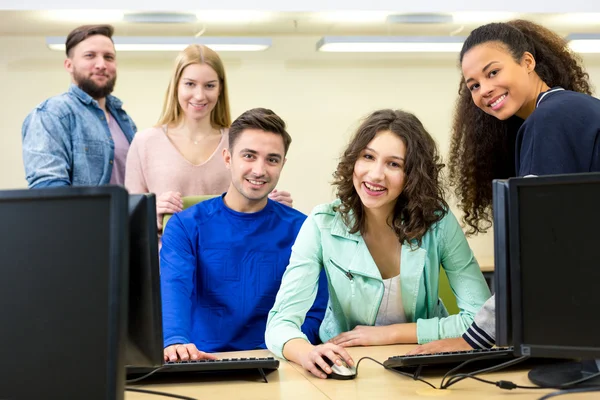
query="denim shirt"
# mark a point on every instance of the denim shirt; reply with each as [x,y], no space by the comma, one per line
[67,142]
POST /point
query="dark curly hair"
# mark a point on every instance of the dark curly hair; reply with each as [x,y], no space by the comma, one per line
[482,147]
[421,203]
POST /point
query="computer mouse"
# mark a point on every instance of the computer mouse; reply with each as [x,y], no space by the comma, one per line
[340,372]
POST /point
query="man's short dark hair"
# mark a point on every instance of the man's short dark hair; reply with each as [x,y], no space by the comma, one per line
[259,118]
[83,32]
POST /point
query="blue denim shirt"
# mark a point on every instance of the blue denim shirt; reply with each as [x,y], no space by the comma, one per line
[66,140]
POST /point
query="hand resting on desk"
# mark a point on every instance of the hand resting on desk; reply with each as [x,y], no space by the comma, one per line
[441,346]
[186,352]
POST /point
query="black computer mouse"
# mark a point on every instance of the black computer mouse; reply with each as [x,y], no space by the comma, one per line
[340,372]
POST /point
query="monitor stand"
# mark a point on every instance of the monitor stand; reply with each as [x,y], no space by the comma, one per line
[554,375]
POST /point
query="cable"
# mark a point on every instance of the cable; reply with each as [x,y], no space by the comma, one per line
[393,370]
[489,369]
[570,391]
[578,381]
[502,384]
[175,396]
[144,376]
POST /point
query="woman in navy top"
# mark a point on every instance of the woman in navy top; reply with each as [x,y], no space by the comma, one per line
[524,108]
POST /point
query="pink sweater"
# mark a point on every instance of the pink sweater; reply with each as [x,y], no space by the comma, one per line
[154,165]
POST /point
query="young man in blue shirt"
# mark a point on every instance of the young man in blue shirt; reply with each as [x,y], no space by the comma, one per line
[222,260]
[81,137]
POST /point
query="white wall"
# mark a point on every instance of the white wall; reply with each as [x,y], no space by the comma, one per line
[320,97]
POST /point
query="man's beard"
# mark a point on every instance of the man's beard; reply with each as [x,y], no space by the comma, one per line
[90,87]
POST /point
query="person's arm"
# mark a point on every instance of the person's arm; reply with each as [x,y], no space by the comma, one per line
[482,332]
[135,177]
[47,153]
[177,278]
[298,290]
[466,280]
[315,315]
[480,335]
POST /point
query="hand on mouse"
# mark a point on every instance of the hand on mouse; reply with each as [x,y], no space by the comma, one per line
[366,336]
[185,352]
[316,357]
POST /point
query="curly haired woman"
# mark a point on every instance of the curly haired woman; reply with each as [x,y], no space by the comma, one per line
[524,109]
[381,244]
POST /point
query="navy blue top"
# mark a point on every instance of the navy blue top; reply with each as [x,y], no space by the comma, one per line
[561,136]
[220,273]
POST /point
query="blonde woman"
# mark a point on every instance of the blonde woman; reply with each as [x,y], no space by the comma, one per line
[182,154]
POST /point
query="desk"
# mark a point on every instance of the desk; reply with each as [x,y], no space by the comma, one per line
[373,382]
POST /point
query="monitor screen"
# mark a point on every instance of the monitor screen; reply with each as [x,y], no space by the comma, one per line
[555,268]
[145,338]
[64,269]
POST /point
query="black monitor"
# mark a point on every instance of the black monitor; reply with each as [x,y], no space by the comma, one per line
[145,337]
[501,263]
[63,288]
[553,236]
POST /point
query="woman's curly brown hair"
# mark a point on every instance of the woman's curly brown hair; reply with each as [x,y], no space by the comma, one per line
[421,203]
[482,147]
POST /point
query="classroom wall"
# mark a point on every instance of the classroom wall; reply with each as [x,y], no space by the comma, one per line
[321,97]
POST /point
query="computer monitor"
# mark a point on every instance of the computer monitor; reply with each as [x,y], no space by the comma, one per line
[501,263]
[63,288]
[145,337]
[553,274]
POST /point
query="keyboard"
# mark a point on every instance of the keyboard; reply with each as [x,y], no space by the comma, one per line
[225,364]
[451,358]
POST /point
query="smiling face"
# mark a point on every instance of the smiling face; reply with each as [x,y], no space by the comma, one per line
[198,91]
[379,176]
[93,66]
[499,85]
[255,162]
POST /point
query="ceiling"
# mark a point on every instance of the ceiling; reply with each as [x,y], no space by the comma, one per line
[250,23]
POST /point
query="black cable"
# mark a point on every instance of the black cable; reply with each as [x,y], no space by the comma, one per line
[505,384]
[175,396]
[144,376]
[489,369]
[570,391]
[393,370]
[502,384]
[578,381]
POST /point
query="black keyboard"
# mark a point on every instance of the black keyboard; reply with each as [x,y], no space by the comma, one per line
[225,364]
[451,358]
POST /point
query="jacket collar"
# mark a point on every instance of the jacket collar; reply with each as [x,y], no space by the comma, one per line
[111,101]
[412,264]
[339,228]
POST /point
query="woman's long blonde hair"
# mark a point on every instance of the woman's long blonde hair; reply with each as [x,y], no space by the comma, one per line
[220,117]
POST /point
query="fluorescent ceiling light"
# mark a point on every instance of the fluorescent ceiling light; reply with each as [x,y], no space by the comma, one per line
[84,16]
[391,44]
[475,17]
[352,16]
[175,43]
[232,16]
[575,18]
[584,43]
[160,17]
[424,18]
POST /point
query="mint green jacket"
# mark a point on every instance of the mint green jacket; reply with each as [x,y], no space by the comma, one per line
[356,287]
